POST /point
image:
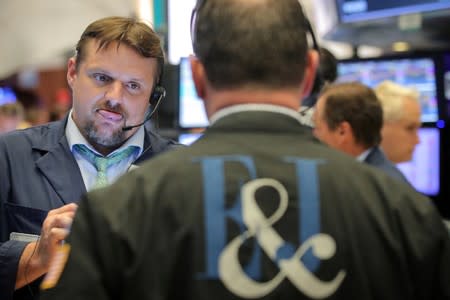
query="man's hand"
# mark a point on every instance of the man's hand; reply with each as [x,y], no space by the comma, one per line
[55,229]
[36,257]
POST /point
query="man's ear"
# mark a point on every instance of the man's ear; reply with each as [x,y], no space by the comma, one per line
[345,132]
[344,128]
[198,76]
[71,71]
[312,62]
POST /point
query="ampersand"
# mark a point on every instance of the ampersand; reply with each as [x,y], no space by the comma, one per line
[260,226]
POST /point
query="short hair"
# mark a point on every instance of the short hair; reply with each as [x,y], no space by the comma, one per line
[391,96]
[251,43]
[328,65]
[356,104]
[128,31]
[327,70]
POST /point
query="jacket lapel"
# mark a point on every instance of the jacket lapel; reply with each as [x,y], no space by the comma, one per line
[59,166]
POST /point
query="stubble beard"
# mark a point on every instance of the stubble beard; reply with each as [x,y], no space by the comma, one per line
[95,136]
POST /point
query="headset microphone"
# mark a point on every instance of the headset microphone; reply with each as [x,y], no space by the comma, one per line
[157,95]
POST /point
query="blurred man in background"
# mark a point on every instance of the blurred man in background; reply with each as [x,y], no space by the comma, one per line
[349,117]
[12,113]
[11,117]
[401,114]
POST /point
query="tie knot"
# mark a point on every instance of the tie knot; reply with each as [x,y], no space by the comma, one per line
[102,163]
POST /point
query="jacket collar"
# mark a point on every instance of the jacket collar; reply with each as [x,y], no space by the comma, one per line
[258,120]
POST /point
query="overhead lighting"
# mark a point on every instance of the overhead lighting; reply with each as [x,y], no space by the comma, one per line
[401,46]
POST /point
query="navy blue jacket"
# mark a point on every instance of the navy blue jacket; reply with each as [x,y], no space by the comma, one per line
[377,159]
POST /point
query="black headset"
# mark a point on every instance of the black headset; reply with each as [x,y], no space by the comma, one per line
[159,93]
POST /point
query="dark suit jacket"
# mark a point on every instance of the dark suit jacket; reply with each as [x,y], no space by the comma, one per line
[38,173]
[377,159]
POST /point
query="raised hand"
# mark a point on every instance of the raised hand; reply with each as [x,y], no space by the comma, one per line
[37,256]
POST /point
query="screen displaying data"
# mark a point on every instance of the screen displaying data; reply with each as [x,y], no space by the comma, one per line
[363,10]
[418,73]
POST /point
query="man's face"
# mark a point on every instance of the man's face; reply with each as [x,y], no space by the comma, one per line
[400,137]
[321,129]
[111,89]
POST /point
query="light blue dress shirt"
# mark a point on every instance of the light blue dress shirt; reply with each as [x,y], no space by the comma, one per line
[88,171]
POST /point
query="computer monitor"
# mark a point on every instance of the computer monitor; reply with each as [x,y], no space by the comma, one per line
[188,138]
[363,10]
[415,72]
[423,171]
[191,111]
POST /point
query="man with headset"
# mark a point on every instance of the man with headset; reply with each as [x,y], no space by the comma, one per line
[257,208]
[45,169]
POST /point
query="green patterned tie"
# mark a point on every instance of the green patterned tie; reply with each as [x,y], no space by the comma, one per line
[102,163]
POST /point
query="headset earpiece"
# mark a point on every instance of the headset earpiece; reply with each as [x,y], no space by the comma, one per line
[157,95]
[155,99]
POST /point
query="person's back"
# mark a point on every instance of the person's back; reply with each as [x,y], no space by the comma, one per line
[212,236]
[256,208]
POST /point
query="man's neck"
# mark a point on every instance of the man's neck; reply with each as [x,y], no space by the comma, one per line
[355,150]
[221,99]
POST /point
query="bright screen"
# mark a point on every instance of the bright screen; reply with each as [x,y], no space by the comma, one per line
[418,73]
[191,111]
[423,170]
[179,35]
[361,10]
[188,138]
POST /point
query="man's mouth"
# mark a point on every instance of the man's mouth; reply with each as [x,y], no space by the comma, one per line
[110,115]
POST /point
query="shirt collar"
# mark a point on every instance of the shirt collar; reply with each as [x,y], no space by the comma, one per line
[74,137]
[254,107]
[362,157]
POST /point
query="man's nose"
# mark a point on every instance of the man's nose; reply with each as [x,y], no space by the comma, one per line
[115,91]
